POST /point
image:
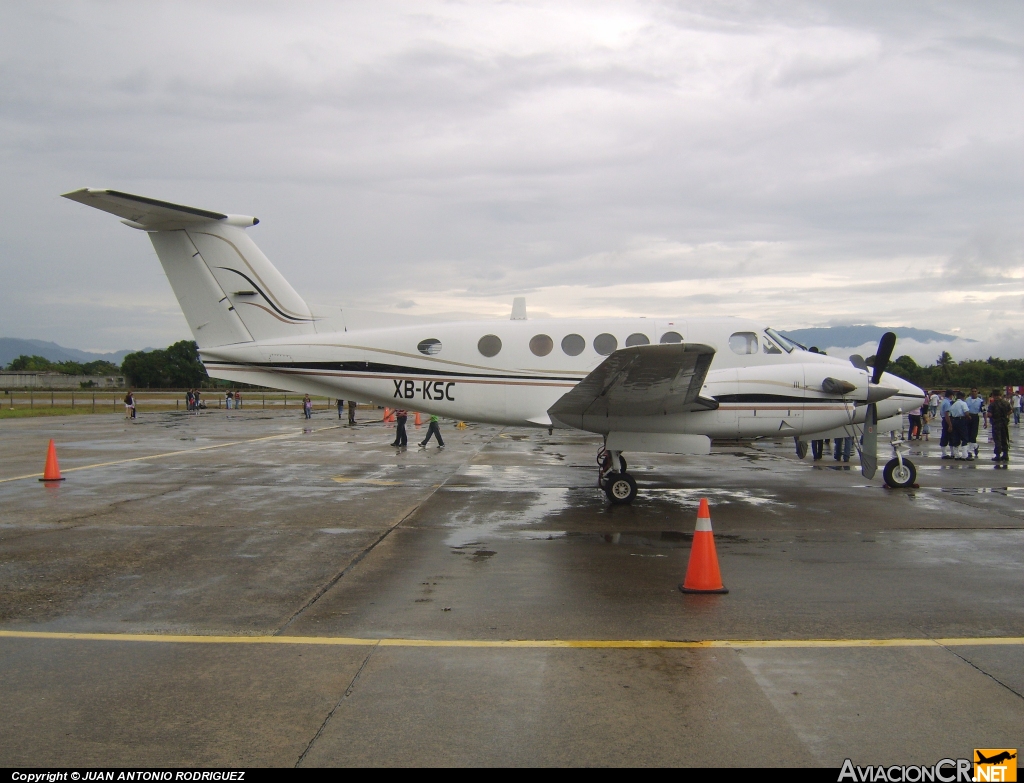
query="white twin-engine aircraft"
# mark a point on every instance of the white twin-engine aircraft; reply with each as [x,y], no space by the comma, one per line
[646,384]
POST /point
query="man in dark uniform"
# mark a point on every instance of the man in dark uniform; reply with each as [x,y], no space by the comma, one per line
[999,415]
[401,439]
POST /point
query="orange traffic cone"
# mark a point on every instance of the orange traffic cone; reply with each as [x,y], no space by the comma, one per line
[387,414]
[702,574]
[417,421]
[52,470]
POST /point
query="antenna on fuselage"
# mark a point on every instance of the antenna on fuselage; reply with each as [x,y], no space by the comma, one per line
[519,309]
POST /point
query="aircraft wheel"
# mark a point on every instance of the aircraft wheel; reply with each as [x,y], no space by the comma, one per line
[620,488]
[897,476]
[622,464]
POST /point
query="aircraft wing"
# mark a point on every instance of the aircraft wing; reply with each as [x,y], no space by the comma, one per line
[645,380]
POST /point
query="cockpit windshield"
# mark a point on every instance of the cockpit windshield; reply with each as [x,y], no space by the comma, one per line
[787,345]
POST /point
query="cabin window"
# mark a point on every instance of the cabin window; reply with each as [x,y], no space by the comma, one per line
[605,344]
[429,347]
[743,343]
[489,345]
[573,344]
[769,347]
[541,345]
[671,337]
[637,339]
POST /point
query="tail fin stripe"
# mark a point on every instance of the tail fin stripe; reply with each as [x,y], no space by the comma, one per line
[271,298]
[291,318]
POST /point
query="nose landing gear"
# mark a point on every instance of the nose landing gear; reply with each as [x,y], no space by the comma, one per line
[899,473]
[618,485]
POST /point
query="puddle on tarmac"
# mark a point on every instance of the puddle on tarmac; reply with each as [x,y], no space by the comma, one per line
[1004,491]
[471,526]
[991,549]
[691,497]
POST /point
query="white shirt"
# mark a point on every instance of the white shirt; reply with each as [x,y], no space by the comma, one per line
[1016,401]
[933,401]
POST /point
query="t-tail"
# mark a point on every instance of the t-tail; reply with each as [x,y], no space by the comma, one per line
[228,290]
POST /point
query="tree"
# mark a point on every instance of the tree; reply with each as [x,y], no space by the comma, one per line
[178,366]
[945,365]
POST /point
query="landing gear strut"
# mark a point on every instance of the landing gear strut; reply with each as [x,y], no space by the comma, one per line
[898,472]
[618,485]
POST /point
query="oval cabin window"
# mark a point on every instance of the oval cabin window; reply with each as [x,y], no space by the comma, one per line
[671,337]
[489,345]
[637,339]
[573,344]
[541,345]
[429,347]
[743,343]
[605,344]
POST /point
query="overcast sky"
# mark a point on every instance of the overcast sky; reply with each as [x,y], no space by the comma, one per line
[800,163]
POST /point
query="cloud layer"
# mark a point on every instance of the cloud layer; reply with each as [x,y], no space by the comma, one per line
[800,163]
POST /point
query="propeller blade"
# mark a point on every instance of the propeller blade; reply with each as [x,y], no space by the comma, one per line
[869,448]
[883,355]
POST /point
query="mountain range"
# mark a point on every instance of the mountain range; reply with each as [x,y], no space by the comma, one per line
[13,347]
[853,336]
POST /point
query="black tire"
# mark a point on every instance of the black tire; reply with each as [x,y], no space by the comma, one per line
[620,488]
[896,478]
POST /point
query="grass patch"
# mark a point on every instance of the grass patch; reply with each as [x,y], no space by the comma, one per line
[31,413]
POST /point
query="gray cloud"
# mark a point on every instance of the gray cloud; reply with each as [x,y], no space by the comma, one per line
[796,162]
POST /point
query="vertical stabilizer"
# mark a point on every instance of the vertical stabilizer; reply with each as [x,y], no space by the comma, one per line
[228,290]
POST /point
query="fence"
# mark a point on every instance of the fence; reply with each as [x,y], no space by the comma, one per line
[85,400]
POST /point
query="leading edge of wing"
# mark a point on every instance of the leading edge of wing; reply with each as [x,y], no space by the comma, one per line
[644,380]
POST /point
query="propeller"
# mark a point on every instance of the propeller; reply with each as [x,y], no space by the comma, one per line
[869,448]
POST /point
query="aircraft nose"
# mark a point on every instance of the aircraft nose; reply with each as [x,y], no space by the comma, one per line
[909,395]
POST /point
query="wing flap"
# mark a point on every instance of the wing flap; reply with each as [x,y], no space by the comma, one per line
[644,380]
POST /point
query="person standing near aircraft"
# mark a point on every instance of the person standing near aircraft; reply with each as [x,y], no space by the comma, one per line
[307,407]
[843,447]
[351,411]
[817,446]
[401,438]
[960,420]
[341,407]
[432,430]
[975,409]
[1015,404]
[129,405]
[999,414]
[238,400]
[933,404]
[947,424]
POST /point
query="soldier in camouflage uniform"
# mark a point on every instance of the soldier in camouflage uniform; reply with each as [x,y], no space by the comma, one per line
[999,415]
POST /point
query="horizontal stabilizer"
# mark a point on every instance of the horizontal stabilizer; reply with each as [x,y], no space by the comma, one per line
[150,214]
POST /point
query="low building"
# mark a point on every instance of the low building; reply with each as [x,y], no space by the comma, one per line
[56,380]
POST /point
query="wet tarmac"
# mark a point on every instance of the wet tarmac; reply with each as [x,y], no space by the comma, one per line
[245,525]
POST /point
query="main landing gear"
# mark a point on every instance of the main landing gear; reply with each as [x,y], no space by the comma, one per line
[618,485]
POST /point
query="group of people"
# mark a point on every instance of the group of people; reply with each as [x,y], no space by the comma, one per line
[351,410]
[233,399]
[961,416]
[841,450]
[402,437]
[193,401]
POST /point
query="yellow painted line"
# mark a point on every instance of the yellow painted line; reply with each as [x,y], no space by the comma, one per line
[173,453]
[375,482]
[348,641]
